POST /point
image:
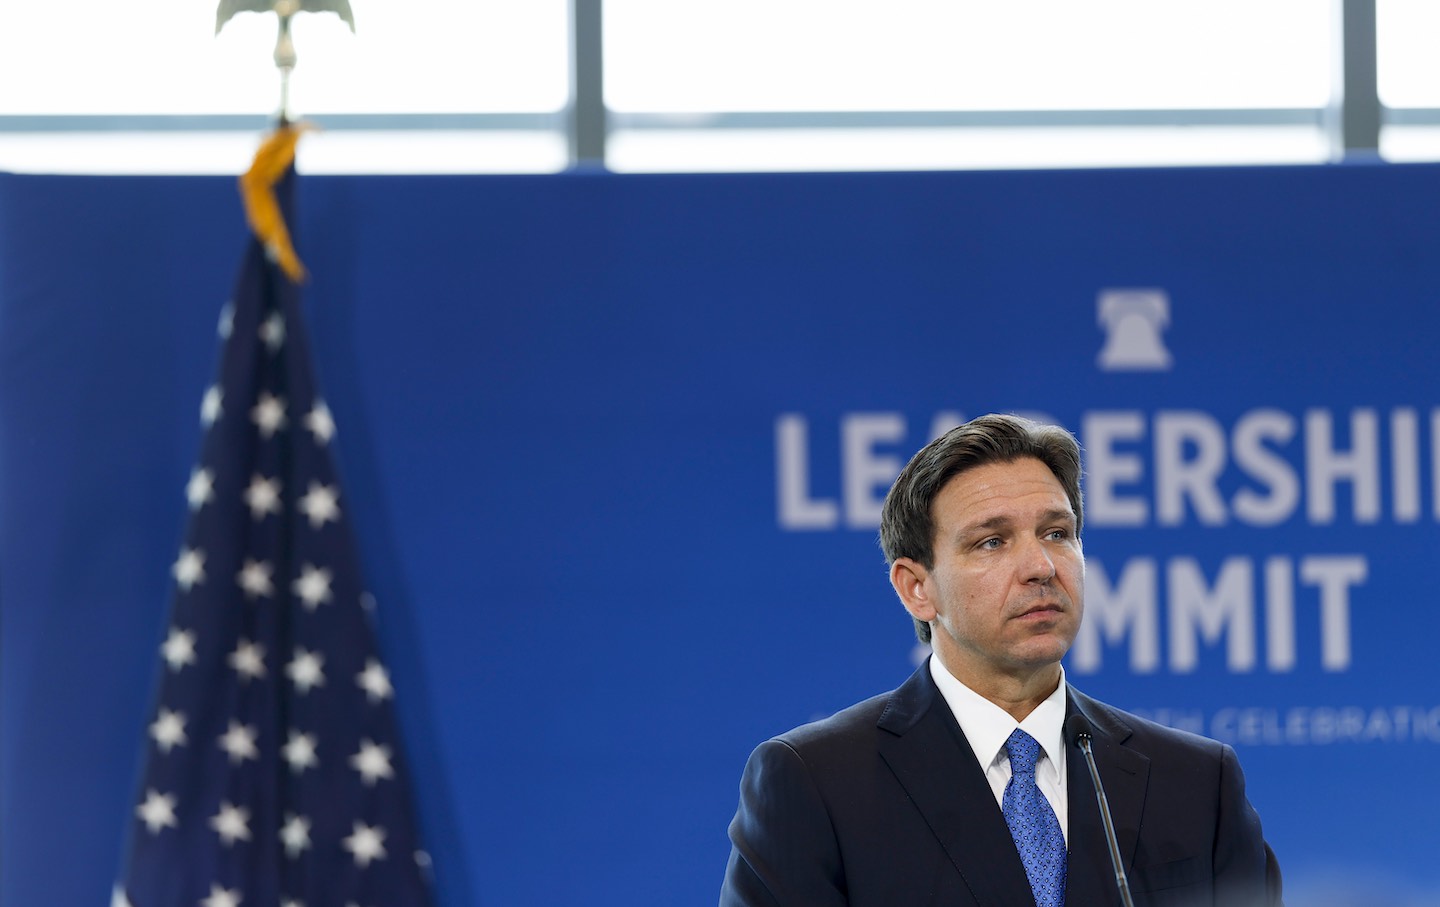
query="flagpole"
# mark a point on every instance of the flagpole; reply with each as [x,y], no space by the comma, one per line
[285,57]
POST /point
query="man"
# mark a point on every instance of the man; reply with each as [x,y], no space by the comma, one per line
[963,786]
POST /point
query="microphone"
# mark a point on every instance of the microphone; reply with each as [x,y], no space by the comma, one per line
[1077,731]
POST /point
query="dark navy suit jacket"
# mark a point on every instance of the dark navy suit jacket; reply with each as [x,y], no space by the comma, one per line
[885,805]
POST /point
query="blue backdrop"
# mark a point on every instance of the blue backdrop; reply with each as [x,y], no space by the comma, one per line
[615,447]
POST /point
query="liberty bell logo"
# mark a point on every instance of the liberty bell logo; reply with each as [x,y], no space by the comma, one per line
[1133,320]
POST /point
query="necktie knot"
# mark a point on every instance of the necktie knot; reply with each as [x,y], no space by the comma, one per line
[1024,752]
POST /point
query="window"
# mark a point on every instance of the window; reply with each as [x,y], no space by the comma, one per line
[946,83]
[1408,78]
[462,86]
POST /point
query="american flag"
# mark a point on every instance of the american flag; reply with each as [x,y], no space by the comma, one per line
[274,775]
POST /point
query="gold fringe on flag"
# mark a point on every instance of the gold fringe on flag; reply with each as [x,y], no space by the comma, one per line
[261,209]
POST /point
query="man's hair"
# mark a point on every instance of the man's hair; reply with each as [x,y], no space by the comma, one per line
[907,523]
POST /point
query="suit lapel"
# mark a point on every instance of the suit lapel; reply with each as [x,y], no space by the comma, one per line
[930,757]
[1125,774]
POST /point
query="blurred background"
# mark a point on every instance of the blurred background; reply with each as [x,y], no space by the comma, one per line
[628,313]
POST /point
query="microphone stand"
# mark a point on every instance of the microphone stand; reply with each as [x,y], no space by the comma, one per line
[1079,730]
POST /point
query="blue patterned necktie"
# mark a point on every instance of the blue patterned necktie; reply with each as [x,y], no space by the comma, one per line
[1033,824]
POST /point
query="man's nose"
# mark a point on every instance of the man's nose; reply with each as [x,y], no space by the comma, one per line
[1037,565]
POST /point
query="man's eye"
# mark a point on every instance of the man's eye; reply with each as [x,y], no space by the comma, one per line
[990,544]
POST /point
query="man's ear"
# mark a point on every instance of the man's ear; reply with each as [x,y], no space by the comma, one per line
[911,582]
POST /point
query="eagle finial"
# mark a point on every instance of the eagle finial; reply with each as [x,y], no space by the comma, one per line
[284,47]
[286,9]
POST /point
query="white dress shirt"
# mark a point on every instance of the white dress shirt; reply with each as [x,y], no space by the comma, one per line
[987,727]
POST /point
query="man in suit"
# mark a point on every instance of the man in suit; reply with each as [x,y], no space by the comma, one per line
[962,787]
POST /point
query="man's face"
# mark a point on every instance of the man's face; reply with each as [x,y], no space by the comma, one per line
[1006,593]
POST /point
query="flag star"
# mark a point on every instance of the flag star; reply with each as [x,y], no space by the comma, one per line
[221,897]
[211,407]
[227,320]
[263,496]
[158,811]
[169,730]
[268,414]
[248,660]
[179,648]
[254,578]
[299,751]
[201,488]
[372,762]
[189,568]
[272,332]
[313,586]
[375,681]
[239,743]
[232,823]
[320,504]
[118,898]
[320,423]
[295,833]
[366,844]
[305,670]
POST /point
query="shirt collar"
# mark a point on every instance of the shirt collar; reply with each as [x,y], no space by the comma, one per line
[987,726]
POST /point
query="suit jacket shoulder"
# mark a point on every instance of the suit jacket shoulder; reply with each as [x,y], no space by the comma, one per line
[1143,735]
[1187,831]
